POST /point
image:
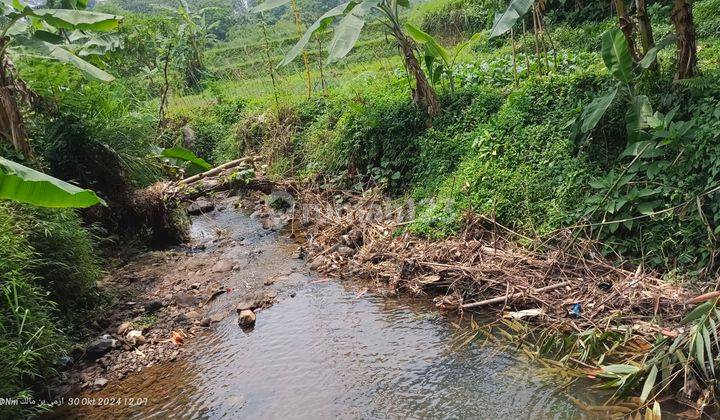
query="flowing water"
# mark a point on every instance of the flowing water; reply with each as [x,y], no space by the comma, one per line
[326,351]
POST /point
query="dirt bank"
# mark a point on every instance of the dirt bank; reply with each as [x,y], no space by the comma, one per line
[164,299]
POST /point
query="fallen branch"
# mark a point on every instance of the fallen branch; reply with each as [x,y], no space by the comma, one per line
[502,299]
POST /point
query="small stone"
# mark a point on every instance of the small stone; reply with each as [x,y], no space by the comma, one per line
[223,266]
[200,206]
[217,317]
[293,294]
[99,383]
[123,328]
[205,322]
[345,251]
[99,348]
[246,318]
[193,315]
[135,338]
[270,281]
[153,306]
[185,299]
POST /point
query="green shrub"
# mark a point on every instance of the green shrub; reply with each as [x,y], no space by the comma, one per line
[30,341]
[707,17]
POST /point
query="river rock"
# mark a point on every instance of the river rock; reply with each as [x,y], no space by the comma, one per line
[185,299]
[193,316]
[246,318]
[345,251]
[99,383]
[205,322]
[99,348]
[152,306]
[200,206]
[123,328]
[223,266]
[135,338]
[256,300]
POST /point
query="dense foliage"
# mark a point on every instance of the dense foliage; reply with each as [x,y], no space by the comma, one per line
[519,136]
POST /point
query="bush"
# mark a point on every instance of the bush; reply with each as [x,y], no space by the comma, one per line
[30,340]
[707,18]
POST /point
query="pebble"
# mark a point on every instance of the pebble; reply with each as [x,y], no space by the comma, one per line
[246,318]
[123,328]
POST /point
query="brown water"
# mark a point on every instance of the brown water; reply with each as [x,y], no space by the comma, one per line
[329,353]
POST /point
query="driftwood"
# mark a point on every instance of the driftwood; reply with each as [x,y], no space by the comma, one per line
[219,179]
[503,299]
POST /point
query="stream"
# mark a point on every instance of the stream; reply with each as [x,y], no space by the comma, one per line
[328,350]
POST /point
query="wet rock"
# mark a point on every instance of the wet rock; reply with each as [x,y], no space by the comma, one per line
[353,239]
[279,200]
[293,294]
[217,317]
[246,318]
[205,322]
[299,254]
[345,251]
[99,348]
[185,299]
[317,262]
[222,266]
[65,361]
[123,328]
[99,384]
[153,306]
[193,315]
[200,206]
[135,338]
[256,300]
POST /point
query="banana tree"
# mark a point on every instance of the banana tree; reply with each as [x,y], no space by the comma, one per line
[63,35]
[353,16]
[619,62]
[25,185]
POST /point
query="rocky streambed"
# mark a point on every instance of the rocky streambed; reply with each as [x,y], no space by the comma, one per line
[234,323]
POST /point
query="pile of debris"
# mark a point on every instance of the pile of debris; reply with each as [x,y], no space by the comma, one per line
[480,268]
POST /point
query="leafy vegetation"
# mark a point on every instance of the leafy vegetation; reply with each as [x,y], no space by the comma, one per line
[546,116]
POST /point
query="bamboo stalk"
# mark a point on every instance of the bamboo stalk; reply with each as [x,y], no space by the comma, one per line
[502,299]
[215,171]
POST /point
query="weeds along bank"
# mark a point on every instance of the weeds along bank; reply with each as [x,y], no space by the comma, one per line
[508,144]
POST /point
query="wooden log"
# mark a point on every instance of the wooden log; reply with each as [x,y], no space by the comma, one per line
[503,299]
[215,171]
[262,184]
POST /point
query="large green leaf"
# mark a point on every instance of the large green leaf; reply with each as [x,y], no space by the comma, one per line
[596,109]
[269,5]
[56,52]
[77,19]
[319,25]
[637,116]
[652,53]
[616,55]
[22,184]
[194,164]
[348,30]
[506,20]
[432,47]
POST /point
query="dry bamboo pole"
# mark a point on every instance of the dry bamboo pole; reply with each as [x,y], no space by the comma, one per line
[502,299]
[512,40]
[306,60]
[215,171]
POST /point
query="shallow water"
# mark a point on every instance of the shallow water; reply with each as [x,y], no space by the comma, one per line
[328,352]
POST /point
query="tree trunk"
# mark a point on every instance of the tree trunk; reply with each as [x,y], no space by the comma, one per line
[12,126]
[682,18]
[627,27]
[423,93]
[644,27]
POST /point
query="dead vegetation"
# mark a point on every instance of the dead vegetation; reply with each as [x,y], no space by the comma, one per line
[482,268]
